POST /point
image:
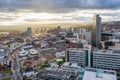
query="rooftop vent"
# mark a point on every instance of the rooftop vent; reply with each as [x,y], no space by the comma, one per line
[99,73]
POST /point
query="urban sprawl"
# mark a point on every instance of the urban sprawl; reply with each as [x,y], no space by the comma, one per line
[62,54]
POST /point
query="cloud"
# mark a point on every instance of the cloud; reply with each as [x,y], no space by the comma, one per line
[31,11]
[79,16]
[57,6]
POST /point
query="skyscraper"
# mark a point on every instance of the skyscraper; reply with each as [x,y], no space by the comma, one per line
[29,31]
[97,31]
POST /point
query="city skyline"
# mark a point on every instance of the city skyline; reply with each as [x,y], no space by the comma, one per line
[59,40]
[17,12]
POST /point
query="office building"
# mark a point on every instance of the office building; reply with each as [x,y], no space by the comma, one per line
[106,59]
[97,31]
[83,34]
[79,56]
[29,30]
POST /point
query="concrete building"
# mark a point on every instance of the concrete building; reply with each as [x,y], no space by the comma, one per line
[79,56]
[47,50]
[106,59]
[97,31]
[27,47]
[60,54]
[4,52]
[43,44]
[29,30]
[54,75]
[28,71]
[73,39]
[107,35]
[99,74]
[83,34]
[72,68]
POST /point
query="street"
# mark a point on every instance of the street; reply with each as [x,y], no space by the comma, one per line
[15,67]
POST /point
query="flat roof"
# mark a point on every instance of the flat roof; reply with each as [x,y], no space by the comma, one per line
[115,51]
[76,49]
[53,74]
[68,64]
[99,74]
[4,51]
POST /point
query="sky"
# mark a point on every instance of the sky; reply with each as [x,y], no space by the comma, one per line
[20,12]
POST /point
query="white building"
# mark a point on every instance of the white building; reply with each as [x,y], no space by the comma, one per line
[83,34]
[60,54]
[98,74]
[28,74]
[73,39]
[15,45]
[76,55]
[23,53]
[72,68]
[33,51]
[106,59]
[43,44]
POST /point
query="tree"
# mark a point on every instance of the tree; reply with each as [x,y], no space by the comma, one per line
[1,67]
[25,78]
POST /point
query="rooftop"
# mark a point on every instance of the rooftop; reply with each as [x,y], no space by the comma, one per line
[47,74]
[4,51]
[71,65]
[76,49]
[114,51]
[99,74]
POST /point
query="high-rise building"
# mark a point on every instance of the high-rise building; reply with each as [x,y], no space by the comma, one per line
[83,34]
[106,59]
[97,31]
[101,59]
[77,56]
[29,30]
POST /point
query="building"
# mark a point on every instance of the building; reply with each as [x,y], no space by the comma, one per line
[28,71]
[97,31]
[99,74]
[4,52]
[72,39]
[60,54]
[76,55]
[27,47]
[107,35]
[43,44]
[29,30]
[106,59]
[57,32]
[72,68]
[15,45]
[83,34]
[47,50]
[53,75]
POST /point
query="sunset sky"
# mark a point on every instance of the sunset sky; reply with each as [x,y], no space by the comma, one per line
[15,12]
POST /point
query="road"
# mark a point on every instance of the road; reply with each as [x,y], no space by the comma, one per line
[15,67]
